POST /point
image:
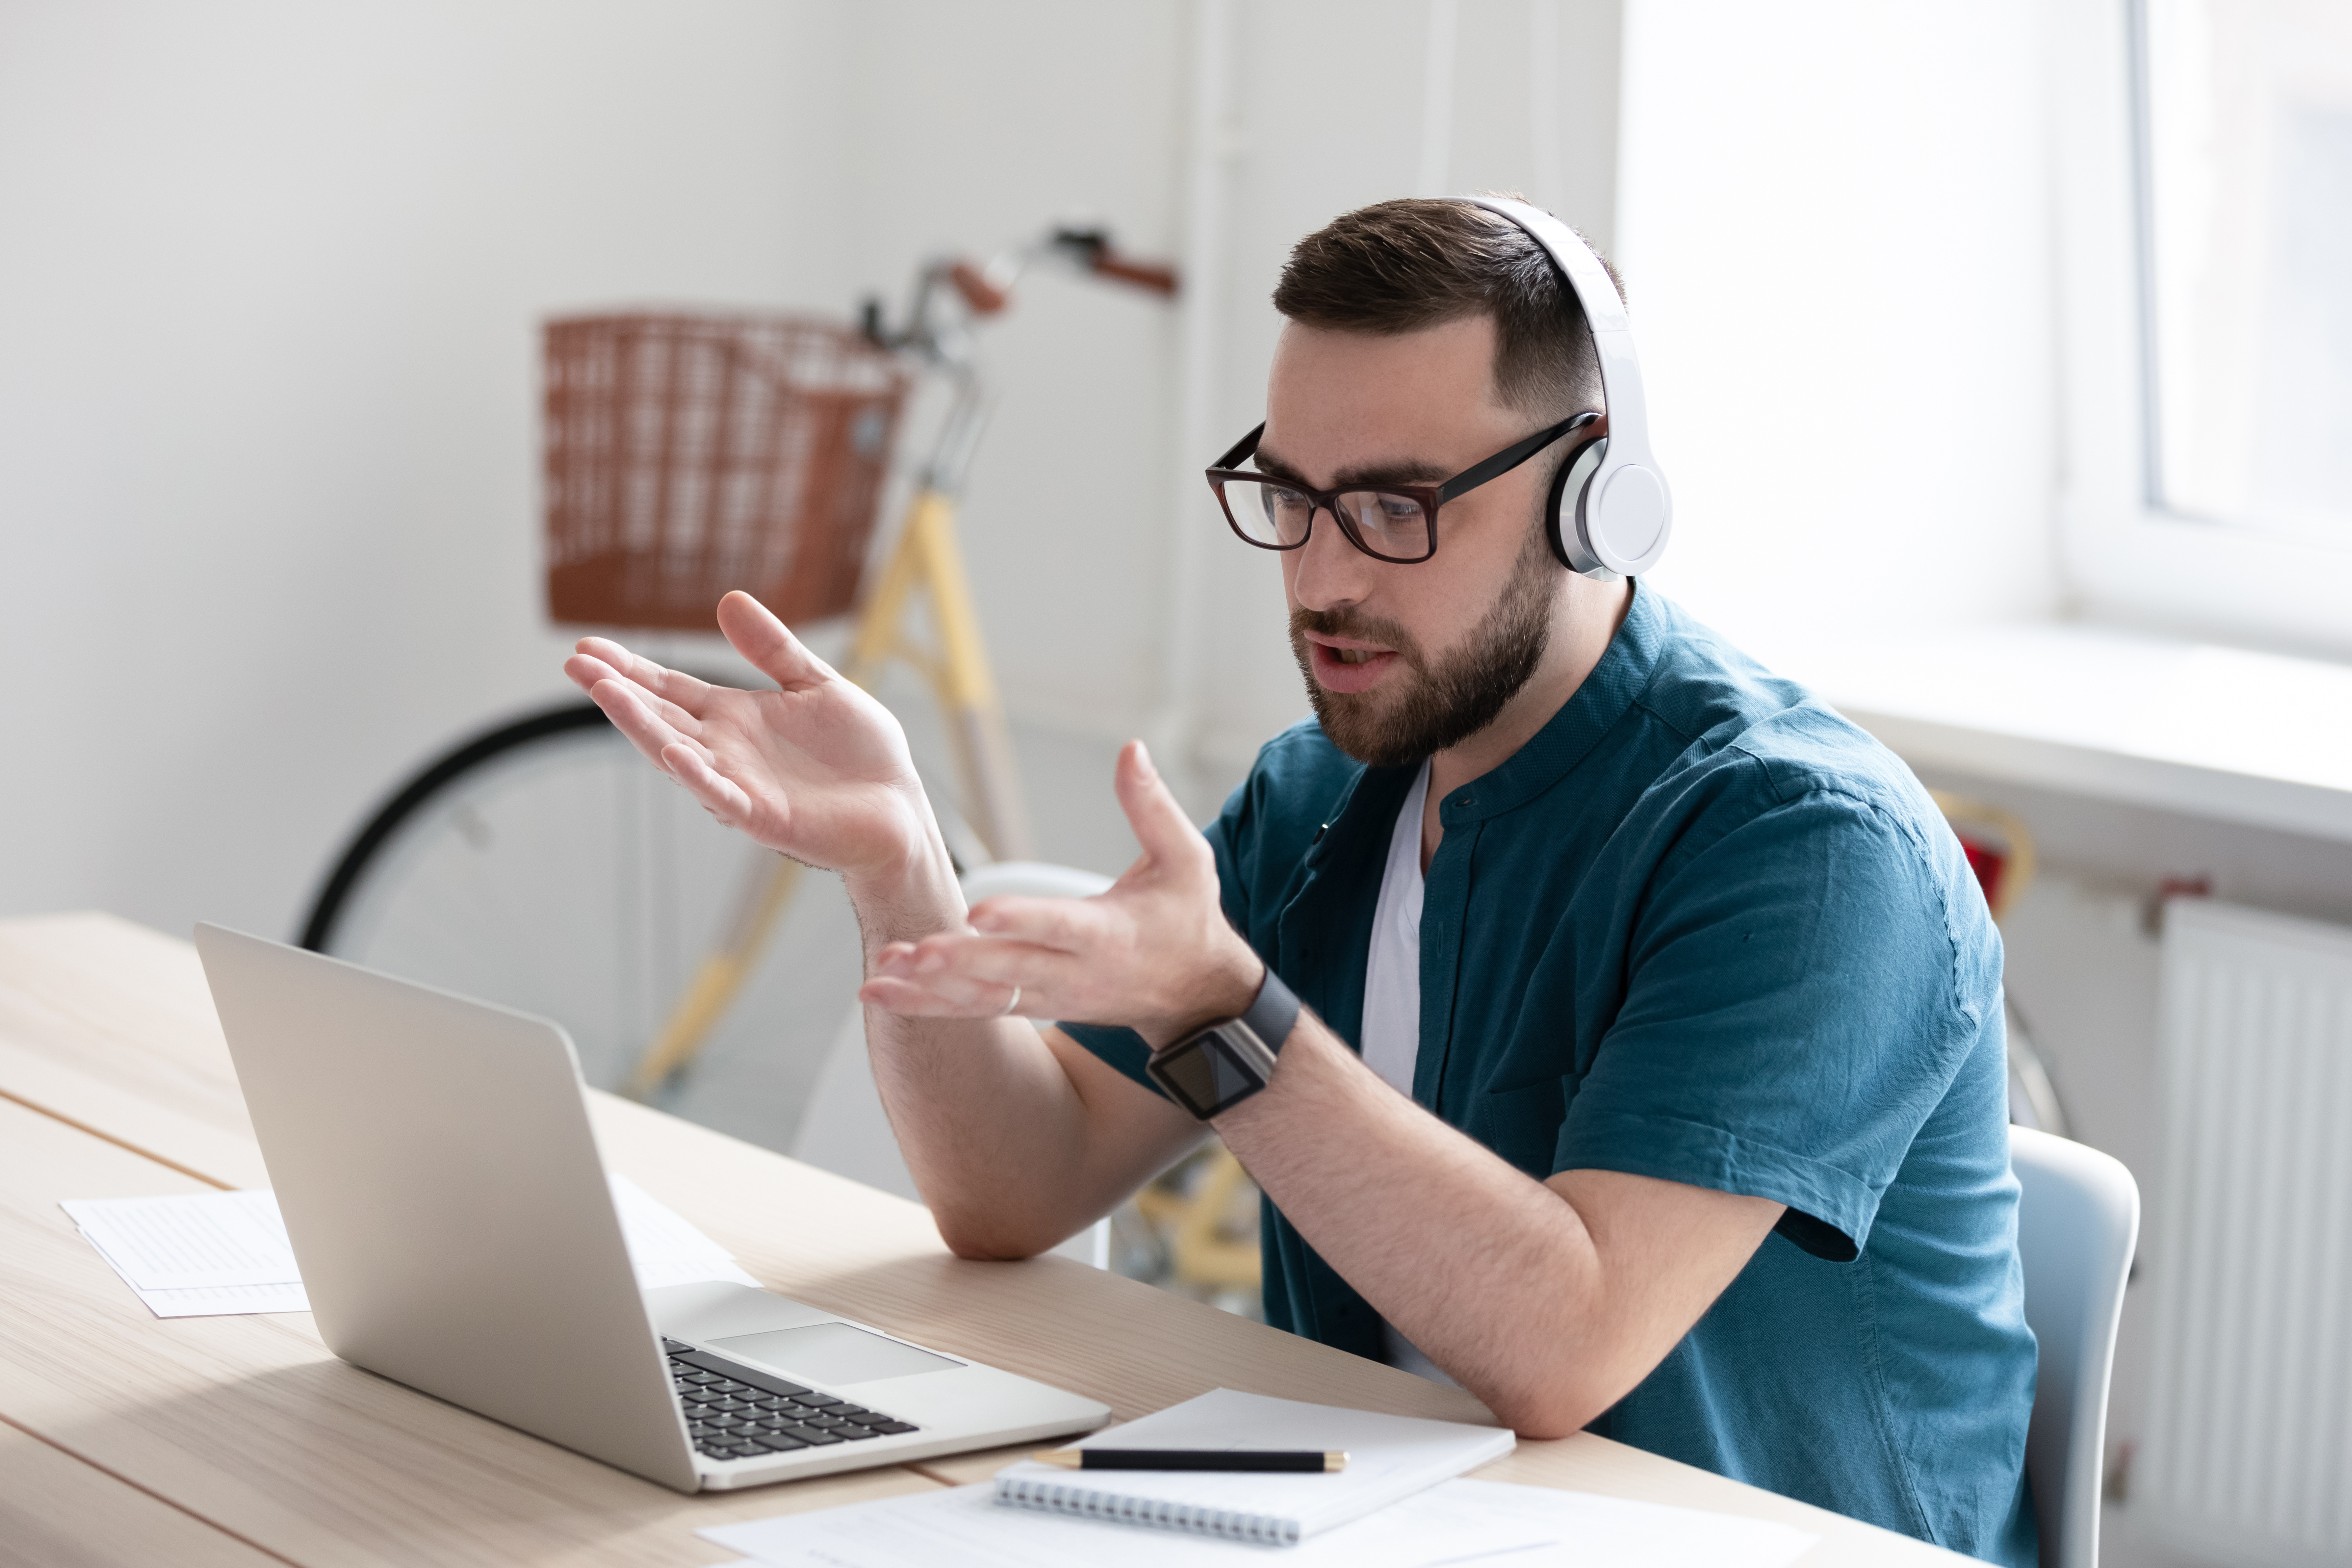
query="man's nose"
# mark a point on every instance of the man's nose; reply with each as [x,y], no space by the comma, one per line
[1329,571]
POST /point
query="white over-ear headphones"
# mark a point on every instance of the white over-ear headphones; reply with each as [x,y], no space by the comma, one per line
[1622,513]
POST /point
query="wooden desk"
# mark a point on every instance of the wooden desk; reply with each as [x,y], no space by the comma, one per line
[120,1084]
[58,1512]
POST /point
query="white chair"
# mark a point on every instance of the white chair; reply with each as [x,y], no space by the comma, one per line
[2078,1223]
[845,1129]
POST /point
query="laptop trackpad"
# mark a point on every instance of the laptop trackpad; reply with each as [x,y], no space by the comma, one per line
[834,1353]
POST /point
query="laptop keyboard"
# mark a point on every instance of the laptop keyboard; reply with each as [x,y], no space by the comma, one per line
[735,1413]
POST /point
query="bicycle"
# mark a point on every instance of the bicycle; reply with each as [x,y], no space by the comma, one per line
[539,863]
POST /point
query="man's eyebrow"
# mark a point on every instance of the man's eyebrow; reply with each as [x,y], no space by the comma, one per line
[1369,476]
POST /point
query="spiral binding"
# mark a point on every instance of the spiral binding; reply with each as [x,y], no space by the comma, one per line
[1060,1496]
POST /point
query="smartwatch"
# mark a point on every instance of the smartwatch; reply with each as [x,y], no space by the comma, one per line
[1212,1071]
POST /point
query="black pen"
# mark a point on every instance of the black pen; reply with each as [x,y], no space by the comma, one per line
[1193,1459]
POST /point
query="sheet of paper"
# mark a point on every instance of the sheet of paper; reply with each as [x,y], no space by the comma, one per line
[1598,1532]
[189,1242]
[664,1248]
[226,1300]
[1484,1523]
[200,1255]
[967,1525]
[196,1254]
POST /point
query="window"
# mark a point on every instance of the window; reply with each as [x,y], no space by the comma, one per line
[2201,160]
[2245,166]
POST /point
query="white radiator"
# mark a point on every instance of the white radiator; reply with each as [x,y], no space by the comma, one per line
[2248,1455]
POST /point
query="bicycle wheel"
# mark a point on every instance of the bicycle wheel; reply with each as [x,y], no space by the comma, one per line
[543,866]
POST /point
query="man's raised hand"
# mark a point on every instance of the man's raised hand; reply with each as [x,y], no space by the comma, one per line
[1153,952]
[816,769]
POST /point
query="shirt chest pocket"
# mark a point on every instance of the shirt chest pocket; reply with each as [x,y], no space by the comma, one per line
[1521,1123]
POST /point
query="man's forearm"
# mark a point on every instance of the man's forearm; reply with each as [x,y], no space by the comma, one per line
[980,1108]
[1548,1299]
[1490,1273]
[1002,1141]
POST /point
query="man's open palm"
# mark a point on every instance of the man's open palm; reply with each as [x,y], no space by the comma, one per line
[816,769]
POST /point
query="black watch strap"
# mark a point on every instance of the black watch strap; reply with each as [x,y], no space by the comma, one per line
[1271,1016]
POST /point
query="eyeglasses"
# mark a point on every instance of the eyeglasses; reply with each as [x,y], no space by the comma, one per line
[1395,523]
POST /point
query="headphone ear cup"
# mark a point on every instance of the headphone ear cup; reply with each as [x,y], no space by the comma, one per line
[1570,491]
[1561,503]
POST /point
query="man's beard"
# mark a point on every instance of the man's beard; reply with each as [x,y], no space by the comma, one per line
[1444,704]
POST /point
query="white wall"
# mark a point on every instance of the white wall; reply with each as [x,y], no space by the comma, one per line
[1834,224]
[267,407]
[971,129]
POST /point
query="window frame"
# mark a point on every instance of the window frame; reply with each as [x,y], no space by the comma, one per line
[2125,558]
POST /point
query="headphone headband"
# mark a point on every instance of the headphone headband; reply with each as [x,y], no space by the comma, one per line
[1622,514]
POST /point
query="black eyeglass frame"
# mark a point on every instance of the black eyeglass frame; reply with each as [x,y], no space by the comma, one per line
[1431,497]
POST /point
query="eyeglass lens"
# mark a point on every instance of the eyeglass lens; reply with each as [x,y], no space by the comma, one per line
[1272,513]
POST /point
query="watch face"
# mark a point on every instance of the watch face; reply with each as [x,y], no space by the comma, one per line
[1206,1075]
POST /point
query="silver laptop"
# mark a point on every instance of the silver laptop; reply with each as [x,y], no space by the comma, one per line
[440,1182]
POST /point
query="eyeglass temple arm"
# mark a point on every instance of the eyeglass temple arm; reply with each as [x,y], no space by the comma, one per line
[1501,463]
[1241,448]
[1509,457]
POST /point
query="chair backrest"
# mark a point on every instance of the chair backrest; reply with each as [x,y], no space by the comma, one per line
[1032,879]
[2078,1223]
[845,1129]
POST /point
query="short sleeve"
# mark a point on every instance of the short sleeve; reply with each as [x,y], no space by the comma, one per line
[1796,1004]
[1121,1046]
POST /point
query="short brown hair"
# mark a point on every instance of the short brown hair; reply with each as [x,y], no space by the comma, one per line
[1401,266]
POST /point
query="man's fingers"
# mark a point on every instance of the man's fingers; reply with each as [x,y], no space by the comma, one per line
[1067,924]
[676,717]
[587,670]
[660,680]
[911,1001]
[962,967]
[719,795]
[767,643]
[1167,835]
[588,673]
[631,712]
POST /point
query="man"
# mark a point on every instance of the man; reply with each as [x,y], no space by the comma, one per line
[1679,1108]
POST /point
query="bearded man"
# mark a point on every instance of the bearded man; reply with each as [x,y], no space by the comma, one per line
[1650,1075]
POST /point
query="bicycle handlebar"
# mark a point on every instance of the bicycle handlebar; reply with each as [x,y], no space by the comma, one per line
[1090,249]
[1156,276]
[980,296]
[987,290]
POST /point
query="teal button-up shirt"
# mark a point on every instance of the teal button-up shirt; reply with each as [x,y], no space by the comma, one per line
[1701,927]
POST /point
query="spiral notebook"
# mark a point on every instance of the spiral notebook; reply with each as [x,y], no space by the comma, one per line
[1388,1457]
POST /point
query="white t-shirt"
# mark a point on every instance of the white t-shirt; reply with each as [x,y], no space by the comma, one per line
[1392,973]
[1392,1039]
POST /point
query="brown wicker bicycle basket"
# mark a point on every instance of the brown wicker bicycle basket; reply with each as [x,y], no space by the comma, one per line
[688,455]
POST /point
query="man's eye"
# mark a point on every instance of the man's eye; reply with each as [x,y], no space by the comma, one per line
[1373,508]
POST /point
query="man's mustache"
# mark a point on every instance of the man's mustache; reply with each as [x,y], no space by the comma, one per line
[1353,624]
